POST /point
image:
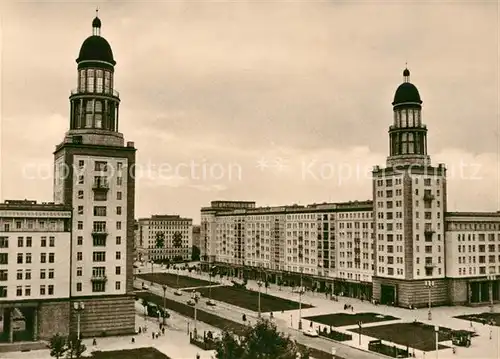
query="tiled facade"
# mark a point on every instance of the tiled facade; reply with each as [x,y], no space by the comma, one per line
[403,247]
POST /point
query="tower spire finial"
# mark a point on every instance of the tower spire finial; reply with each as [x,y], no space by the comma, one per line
[96,24]
[406,73]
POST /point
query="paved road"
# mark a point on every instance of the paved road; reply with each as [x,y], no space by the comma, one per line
[235,314]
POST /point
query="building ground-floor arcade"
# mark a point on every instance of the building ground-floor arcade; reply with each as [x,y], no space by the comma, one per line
[24,321]
[402,293]
[34,320]
[334,286]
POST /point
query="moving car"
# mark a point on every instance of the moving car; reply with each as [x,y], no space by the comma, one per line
[145,286]
[191,302]
[178,292]
[310,332]
[210,302]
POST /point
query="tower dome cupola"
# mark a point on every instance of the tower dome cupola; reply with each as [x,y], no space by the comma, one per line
[96,48]
[407,93]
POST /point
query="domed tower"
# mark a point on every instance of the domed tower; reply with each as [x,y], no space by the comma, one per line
[407,135]
[94,174]
[95,102]
[409,203]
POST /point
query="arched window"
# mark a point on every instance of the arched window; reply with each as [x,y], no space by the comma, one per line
[99,81]
[411,143]
[90,80]
[98,114]
[404,143]
[107,82]
[82,81]
[89,113]
[411,118]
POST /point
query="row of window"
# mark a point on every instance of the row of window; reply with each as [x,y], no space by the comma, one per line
[98,271]
[98,256]
[100,181]
[397,181]
[98,287]
[481,259]
[99,226]
[27,258]
[481,248]
[100,211]
[21,242]
[27,274]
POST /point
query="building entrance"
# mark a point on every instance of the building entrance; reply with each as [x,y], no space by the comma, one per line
[387,294]
[18,324]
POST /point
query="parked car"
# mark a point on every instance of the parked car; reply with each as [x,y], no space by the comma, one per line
[155,311]
[178,292]
[310,332]
[211,302]
[145,286]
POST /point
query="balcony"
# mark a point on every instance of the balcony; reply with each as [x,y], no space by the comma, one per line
[428,234]
[429,265]
[104,92]
[428,197]
[101,186]
[99,235]
[99,278]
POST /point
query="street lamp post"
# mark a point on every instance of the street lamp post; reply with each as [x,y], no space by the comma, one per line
[152,266]
[429,284]
[259,283]
[195,298]
[491,278]
[436,330]
[164,287]
[300,299]
[359,332]
[79,308]
[177,275]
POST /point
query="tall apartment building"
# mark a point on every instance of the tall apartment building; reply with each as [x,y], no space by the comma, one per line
[176,233]
[94,175]
[35,244]
[323,241]
[410,205]
[208,233]
[398,248]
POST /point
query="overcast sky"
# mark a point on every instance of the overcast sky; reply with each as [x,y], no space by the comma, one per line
[280,102]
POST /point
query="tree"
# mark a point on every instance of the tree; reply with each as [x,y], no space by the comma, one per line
[160,240]
[262,341]
[58,346]
[177,239]
[195,254]
[75,347]
[145,304]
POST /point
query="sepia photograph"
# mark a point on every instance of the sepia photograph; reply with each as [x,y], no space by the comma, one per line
[249,179]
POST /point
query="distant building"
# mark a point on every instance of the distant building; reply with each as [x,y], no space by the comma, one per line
[175,232]
[403,247]
[35,244]
[196,235]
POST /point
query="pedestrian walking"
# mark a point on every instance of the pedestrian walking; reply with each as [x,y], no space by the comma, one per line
[152,335]
[94,342]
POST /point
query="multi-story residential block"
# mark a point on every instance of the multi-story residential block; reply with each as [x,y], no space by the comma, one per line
[94,174]
[331,242]
[208,231]
[35,244]
[472,242]
[167,237]
[402,248]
